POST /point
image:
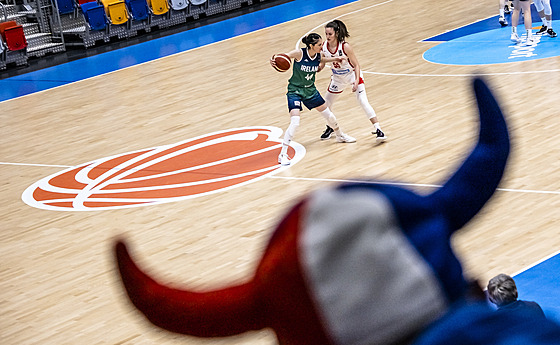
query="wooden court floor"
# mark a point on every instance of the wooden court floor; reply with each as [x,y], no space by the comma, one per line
[58,282]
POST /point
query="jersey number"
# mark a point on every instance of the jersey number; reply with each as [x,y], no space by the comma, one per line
[308,76]
[336,65]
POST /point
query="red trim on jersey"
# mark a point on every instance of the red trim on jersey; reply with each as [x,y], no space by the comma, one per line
[327,46]
[329,91]
[350,63]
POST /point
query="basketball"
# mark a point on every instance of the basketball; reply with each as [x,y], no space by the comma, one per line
[283,62]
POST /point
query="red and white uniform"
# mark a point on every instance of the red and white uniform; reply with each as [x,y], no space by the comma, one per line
[343,74]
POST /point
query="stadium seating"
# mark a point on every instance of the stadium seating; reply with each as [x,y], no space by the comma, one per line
[158,7]
[94,15]
[65,6]
[12,34]
[81,2]
[138,9]
[5,25]
[116,11]
[179,4]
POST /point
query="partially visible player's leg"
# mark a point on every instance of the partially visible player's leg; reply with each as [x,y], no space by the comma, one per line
[361,96]
[335,88]
[502,20]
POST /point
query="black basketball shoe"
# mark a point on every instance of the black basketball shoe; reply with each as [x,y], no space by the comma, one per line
[542,30]
[380,135]
[327,133]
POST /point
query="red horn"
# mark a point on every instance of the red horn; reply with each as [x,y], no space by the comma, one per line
[218,313]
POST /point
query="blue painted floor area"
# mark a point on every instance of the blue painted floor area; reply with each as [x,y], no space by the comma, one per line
[541,283]
[492,47]
[486,42]
[125,57]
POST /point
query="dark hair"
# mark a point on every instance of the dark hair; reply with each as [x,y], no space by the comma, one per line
[502,290]
[340,30]
[311,39]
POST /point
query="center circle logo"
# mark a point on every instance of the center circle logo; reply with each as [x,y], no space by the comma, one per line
[195,167]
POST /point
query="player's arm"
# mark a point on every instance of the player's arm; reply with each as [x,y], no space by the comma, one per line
[354,61]
[325,59]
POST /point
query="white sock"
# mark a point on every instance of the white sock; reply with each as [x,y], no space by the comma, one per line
[544,22]
[501,12]
[549,22]
[290,132]
[376,126]
[513,30]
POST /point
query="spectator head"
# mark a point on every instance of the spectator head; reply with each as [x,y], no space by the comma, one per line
[502,290]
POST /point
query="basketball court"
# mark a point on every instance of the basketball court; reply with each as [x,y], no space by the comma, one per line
[80,140]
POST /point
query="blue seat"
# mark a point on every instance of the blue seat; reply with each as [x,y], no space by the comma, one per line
[138,9]
[95,15]
[65,6]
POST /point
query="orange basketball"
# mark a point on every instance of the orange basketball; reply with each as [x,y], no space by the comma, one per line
[283,62]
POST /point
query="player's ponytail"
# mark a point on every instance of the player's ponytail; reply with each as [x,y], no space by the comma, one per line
[340,29]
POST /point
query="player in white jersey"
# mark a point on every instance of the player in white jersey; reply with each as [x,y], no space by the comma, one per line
[545,13]
[347,73]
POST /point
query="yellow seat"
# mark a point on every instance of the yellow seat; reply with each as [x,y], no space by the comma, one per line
[116,11]
[159,7]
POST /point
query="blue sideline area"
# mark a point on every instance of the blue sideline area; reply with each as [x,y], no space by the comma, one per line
[541,283]
[147,51]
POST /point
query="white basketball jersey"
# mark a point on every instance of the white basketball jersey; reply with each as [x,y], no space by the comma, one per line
[344,67]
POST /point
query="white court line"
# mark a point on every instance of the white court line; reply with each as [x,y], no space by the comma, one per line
[342,15]
[298,43]
[528,191]
[531,191]
[536,263]
[37,165]
[459,75]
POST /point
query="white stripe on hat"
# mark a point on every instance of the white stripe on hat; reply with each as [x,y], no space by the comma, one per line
[370,284]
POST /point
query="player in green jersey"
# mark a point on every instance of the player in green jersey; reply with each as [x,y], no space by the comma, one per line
[302,90]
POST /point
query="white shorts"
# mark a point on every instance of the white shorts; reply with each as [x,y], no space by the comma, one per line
[339,82]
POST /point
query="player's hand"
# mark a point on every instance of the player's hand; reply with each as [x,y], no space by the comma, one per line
[341,58]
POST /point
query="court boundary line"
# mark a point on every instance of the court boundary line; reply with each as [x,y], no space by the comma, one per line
[530,191]
[460,27]
[462,75]
[536,263]
[342,15]
[182,52]
[355,180]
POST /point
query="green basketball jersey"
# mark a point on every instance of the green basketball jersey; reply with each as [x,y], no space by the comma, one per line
[302,81]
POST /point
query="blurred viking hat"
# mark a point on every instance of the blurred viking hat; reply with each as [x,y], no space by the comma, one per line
[361,263]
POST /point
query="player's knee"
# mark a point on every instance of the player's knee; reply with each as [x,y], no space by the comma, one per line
[329,116]
[294,121]
[547,8]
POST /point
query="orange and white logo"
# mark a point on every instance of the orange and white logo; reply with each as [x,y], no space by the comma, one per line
[192,168]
